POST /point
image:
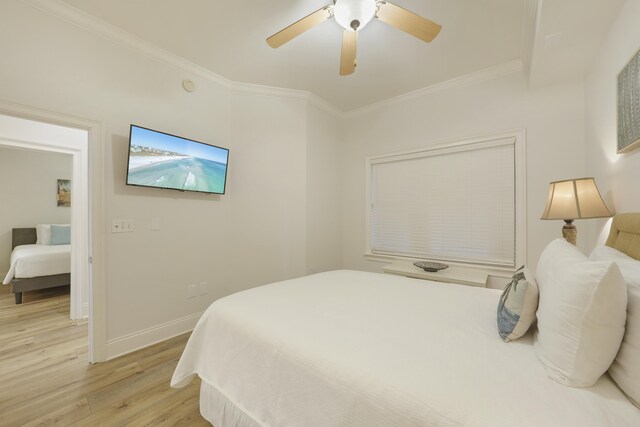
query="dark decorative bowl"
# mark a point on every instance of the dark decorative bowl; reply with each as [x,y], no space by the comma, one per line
[430,266]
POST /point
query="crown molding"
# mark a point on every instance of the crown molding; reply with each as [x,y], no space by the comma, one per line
[74,16]
[530,19]
[490,73]
[325,105]
[310,97]
[87,22]
[269,90]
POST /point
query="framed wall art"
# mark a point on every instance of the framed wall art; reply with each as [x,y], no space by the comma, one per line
[629,106]
[64,193]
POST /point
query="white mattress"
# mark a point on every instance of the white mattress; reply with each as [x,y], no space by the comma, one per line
[350,348]
[38,260]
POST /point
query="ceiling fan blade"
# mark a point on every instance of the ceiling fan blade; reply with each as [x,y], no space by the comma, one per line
[408,22]
[348,55]
[299,27]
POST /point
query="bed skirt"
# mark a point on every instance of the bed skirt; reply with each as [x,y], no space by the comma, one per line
[220,411]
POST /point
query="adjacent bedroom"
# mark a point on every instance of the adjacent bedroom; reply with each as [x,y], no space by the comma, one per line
[36,237]
[334,213]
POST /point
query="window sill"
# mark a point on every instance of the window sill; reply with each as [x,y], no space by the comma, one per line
[505,272]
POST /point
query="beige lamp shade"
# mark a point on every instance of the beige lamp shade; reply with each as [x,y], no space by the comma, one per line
[575,199]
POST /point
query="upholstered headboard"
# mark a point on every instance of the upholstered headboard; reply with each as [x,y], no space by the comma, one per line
[23,236]
[625,234]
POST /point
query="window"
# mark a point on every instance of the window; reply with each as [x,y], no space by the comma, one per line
[462,202]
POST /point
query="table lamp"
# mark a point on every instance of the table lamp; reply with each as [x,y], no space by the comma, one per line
[573,199]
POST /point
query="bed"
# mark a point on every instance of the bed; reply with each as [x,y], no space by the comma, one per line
[349,348]
[35,266]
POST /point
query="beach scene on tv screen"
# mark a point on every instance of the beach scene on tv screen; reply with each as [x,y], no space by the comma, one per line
[161,160]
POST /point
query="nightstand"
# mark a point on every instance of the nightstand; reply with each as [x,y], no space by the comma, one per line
[457,275]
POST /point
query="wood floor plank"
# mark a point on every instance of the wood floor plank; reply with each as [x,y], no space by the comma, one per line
[169,411]
[134,384]
[170,352]
[38,397]
[46,379]
[7,346]
[63,416]
[37,352]
[133,404]
[36,360]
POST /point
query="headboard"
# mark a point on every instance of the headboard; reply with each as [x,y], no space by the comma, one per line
[625,234]
[23,236]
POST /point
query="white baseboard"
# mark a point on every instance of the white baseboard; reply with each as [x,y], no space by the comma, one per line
[85,310]
[147,337]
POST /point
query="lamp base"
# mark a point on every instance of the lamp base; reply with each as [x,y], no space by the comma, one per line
[569,231]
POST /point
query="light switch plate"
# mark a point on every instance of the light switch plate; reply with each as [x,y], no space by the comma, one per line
[127,226]
[155,224]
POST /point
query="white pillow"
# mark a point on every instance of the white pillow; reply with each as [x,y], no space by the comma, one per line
[581,314]
[43,233]
[625,369]
[607,253]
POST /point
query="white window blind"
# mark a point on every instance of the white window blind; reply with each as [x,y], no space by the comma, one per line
[456,203]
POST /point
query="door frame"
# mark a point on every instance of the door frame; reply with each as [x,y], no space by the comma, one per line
[88,222]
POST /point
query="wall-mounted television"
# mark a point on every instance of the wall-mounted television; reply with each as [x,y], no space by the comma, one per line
[161,160]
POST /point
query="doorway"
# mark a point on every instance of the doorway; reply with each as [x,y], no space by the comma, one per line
[38,130]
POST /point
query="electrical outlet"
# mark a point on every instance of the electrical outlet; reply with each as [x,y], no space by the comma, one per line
[204,288]
[127,226]
[191,291]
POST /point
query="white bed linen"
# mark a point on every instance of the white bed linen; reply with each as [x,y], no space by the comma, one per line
[350,348]
[38,260]
[219,410]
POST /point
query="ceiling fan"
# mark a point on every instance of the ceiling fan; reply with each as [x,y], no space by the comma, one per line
[353,15]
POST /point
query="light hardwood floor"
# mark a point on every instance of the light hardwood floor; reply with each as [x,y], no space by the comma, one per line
[45,377]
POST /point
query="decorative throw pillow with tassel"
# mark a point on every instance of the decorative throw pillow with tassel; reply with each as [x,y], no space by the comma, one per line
[517,306]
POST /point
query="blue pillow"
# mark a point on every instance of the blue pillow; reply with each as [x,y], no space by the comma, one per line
[60,235]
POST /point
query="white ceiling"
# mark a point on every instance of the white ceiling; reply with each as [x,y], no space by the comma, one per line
[228,38]
[568,37]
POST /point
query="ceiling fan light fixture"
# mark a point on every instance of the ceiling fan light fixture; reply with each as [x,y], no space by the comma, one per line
[353,15]
[347,11]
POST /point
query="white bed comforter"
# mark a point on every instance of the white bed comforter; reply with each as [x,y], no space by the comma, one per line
[38,260]
[348,348]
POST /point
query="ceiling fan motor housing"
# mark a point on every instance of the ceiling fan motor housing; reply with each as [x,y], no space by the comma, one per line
[353,15]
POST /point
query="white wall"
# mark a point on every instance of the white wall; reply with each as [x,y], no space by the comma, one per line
[554,123]
[268,195]
[28,188]
[324,195]
[617,175]
[254,234]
